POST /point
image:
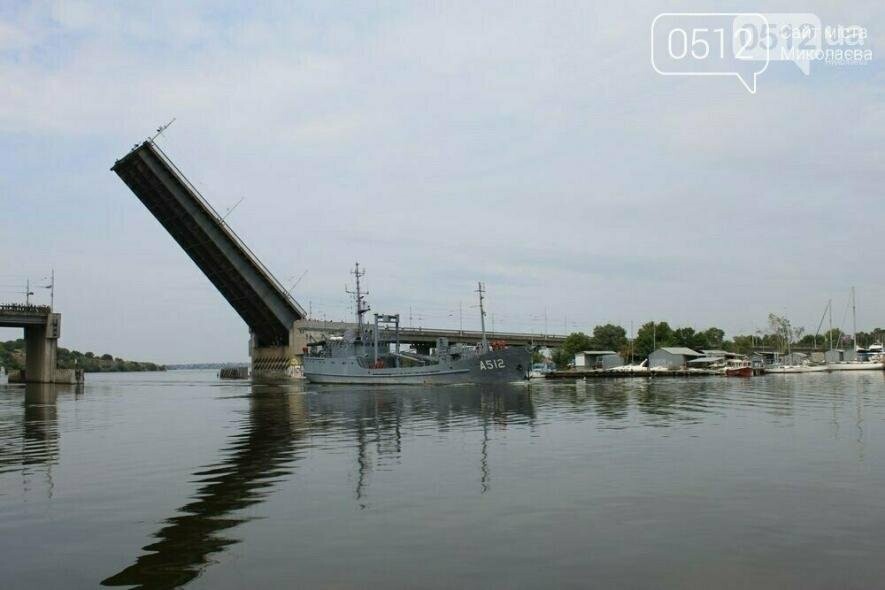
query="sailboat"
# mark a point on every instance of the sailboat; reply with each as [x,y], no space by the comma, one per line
[856,364]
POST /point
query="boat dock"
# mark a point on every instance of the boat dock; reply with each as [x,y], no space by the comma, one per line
[610,374]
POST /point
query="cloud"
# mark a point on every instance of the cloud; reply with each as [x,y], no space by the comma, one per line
[527,145]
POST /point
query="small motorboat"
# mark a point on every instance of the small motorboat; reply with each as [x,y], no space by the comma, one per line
[738,368]
[540,370]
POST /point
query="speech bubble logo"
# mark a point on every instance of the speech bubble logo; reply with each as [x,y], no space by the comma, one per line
[709,44]
[791,36]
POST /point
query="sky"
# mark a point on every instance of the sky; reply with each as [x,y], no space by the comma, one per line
[529,145]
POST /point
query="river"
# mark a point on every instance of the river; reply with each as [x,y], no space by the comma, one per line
[158,480]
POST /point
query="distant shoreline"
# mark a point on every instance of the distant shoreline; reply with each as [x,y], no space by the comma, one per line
[186,366]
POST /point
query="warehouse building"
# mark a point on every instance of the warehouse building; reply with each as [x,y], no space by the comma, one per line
[837,355]
[672,357]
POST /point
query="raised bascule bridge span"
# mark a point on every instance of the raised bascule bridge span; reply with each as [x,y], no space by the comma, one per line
[278,325]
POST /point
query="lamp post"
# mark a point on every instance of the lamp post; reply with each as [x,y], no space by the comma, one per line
[28,292]
[51,287]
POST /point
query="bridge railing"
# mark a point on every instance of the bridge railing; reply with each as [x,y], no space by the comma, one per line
[337,326]
[489,334]
[25,308]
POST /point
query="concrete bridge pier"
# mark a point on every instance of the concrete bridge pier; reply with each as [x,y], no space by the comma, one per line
[41,351]
[42,330]
[277,361]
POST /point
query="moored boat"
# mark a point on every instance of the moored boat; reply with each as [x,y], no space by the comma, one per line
[540,370]
[856,366]
[738,368]
[786,369]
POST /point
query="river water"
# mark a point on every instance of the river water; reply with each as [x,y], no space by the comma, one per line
[169,479]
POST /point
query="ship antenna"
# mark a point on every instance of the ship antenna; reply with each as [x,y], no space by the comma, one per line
[360,298]
[482,315]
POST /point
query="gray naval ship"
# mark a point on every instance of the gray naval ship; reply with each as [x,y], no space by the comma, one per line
[372,355]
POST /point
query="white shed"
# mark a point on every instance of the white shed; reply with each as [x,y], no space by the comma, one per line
[598,359]
[672,357]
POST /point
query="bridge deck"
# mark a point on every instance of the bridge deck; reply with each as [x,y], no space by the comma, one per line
[18,316]
[251,289]
[413,335]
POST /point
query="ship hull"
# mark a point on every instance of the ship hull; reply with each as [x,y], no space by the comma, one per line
[495,366]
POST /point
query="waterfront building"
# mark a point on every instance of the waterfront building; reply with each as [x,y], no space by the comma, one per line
[598,359]
[672,357]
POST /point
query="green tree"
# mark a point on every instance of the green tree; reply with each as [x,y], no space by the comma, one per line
[866,338]
[743,344]
[573,343]
[688,338]
[715,337]
[651,336]
[608,337]
[835,335]
[781,331]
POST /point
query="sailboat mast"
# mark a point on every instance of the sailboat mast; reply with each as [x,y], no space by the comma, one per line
[830,332]
[482,315]
[853,319]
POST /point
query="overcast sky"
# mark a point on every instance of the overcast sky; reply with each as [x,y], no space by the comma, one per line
[528,145]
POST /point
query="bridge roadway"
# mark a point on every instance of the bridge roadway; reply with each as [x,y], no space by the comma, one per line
[250,288]
[315,329]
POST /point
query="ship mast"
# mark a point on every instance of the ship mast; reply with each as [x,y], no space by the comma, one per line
[482,315]
[360,298]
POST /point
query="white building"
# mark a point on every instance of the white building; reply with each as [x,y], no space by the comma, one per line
[598,359]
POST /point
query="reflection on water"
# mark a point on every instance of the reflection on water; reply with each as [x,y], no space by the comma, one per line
[257,457]
[594,425]
[31,444]
[266,449]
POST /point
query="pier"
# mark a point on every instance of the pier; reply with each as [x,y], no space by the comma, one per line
[42,329]
[609,374]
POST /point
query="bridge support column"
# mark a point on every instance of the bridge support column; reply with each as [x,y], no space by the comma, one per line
[40,353]
[279,362]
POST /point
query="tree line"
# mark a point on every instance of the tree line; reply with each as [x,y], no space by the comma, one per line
[652,335]
[12,356]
